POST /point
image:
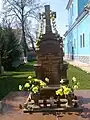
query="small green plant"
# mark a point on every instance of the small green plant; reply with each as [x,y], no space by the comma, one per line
[34,85]
[67,89]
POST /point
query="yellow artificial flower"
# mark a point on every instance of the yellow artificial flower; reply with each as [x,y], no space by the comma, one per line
[59,92]
[29,77]
[64,87]
[37,41]
[78,83]
[32,85]
[75,87]
[46,79]
[20,87]
[53,18]
[74,79]
[40,36]
[67,91]
[37,48]
[42,84]
[50,15]
[35,89]
[36,80]
[30,81]
[27,85]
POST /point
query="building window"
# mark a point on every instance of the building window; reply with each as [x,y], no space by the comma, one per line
[72,9]
[80,41]
[83,40]
[74,43]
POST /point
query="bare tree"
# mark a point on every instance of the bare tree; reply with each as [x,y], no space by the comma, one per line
[22,10]
[30,33]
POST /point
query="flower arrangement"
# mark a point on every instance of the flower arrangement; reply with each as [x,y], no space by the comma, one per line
[34,85]
[67,89]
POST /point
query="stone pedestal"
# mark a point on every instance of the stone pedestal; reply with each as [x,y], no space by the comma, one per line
[50,62]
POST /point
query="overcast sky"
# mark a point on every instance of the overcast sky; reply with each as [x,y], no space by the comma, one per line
[59,7]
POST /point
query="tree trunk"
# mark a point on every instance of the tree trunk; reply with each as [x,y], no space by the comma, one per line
[0,62]
[23,31]
[24,42]
[32,42]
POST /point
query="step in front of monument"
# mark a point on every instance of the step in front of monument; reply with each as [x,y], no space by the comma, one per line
[32,108]
[37,109]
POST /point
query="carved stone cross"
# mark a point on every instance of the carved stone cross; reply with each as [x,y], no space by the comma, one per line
[46,16]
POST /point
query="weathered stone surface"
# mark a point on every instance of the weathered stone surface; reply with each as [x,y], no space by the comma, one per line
[50,62]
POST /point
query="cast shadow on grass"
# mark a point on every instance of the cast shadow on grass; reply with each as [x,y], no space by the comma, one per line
[23,68]
[11,83]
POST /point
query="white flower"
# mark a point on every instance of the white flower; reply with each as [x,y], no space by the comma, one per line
[62,81]
[29,77]
[74,79]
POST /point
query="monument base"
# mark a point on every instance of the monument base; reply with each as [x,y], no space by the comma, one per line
[51,105]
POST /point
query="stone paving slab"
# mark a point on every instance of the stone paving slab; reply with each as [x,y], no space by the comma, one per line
[83,66]
[11,110]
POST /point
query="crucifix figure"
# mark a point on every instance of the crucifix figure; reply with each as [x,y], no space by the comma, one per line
[46,15]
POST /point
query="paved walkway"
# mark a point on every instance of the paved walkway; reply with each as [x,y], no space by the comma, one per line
[12,101]
[83,66]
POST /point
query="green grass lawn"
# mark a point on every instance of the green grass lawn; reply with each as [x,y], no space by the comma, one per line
[12,79]
[82,76]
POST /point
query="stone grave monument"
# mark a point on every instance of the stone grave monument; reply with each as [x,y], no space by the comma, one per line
[50,64]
